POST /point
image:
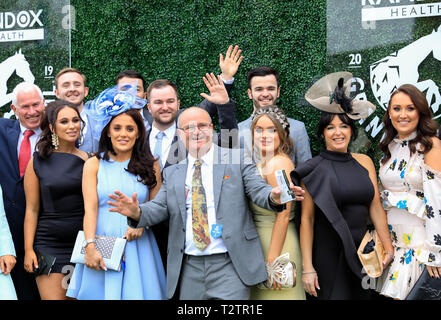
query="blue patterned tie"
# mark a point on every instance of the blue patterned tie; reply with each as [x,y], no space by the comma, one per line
[158,147]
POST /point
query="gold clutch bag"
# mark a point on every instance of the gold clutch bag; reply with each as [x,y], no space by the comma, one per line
[371,253]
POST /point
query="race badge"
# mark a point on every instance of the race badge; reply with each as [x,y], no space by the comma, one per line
[216,230]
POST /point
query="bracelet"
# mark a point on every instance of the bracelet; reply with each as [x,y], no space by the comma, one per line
[309,272]
[389,253]
[87,242]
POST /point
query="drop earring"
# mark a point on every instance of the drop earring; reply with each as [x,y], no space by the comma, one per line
[55,141]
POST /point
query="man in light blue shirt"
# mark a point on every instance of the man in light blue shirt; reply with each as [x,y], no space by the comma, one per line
[70,85]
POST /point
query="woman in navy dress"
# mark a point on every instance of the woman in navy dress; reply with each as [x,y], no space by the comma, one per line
[54,201]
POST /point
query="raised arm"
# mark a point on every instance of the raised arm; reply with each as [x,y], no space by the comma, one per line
[226,109]
[228,66]
[231,63]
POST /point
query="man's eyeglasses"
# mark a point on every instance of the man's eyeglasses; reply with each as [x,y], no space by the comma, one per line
[203,126]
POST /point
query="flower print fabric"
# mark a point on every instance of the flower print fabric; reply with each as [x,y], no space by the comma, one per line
[411,195]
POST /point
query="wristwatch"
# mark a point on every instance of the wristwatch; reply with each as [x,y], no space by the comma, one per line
[87,241]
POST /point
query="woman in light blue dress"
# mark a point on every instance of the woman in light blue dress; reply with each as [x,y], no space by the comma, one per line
[125,162]
[7,257]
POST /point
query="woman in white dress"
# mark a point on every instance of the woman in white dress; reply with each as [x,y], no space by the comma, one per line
[410,174]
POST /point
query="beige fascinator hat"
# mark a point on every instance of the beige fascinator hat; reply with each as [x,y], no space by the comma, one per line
[331,94]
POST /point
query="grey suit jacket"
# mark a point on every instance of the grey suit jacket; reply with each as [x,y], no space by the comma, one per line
[234,184]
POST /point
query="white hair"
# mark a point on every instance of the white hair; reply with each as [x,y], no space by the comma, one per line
[25,87]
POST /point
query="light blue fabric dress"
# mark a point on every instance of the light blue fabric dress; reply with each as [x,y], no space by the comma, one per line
[144,276]
[7,290]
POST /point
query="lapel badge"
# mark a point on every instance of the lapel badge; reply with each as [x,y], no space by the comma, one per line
[216,230]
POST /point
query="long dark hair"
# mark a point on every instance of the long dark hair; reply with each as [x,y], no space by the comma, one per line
[142,161]
[425,130]
[326,118]
[50,115]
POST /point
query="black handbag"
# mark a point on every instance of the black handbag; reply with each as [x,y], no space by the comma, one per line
[426,288]
[45,264]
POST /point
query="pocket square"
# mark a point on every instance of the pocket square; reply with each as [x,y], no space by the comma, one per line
[226,177]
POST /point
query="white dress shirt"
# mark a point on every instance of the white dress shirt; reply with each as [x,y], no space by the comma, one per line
[167,140]
[32,139]
[216,245]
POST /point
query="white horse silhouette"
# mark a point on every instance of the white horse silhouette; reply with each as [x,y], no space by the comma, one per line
[16,63]
[401,67]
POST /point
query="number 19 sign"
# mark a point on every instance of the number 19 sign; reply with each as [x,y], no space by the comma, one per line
[34,45]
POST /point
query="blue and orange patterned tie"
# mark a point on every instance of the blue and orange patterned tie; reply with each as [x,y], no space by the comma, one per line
[201,235]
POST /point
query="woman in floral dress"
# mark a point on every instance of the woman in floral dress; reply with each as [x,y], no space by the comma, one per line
[410,174]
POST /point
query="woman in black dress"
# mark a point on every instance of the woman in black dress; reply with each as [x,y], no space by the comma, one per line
[54,200]
[341,192]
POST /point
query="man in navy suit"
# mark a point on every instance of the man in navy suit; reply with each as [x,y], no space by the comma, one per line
[28,106]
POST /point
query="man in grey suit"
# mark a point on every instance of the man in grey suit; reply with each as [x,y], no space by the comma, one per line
[214,250]
[164,107]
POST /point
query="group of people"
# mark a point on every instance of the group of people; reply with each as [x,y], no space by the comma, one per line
[202,211]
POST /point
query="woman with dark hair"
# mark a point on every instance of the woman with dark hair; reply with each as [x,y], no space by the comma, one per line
[341,193]
[54,201]
[277,233]
[410,174]
[123,162]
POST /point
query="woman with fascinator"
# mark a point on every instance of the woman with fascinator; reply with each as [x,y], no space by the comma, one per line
[341,193]
[410,175]
[54,200]
[277,233]
[123,162]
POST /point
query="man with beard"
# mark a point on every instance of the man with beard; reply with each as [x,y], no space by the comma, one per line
[163,104]
[70,85]
[263,90]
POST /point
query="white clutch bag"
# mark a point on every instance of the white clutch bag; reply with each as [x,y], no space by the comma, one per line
[281,271]
[111,248]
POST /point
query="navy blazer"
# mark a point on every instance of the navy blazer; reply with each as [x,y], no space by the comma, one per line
[12,184]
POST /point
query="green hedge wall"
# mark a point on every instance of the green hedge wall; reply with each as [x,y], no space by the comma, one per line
[181,41]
